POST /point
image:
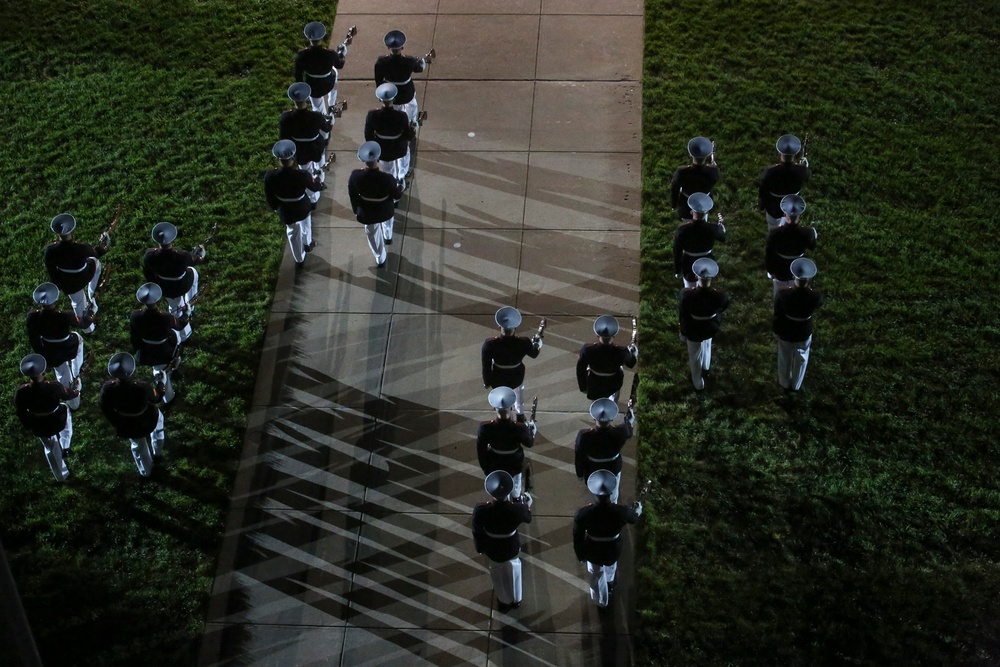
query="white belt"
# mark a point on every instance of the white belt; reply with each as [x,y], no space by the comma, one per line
[688,194]
[57,340]
[154,342]
[80,270]
[400,83]
[591,458]
[799,319]
[285,199]
[370,199]
[790,256]
[504,451]
[603,375]
[46,414]
[775,194]
[697,254]
[603,539]
[320,76]
[703,317]
[307,139]
[500,536]
[180,277]
[132,414]
[383,136]
[506,368]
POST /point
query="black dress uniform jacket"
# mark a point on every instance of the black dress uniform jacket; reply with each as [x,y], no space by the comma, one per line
[285,189]
[169,268]
[373,194]
[130,406]
[600,520]
[396,69]
[692,241]
[785,244]
[701,302]
[314,65]
[68,265]
[391,129]
[506,351]
[689,179]
[499,517]
[777,181]
[152,335]
[310,130]
[599,448]
[605,358]
[499,445]
[40,407]
[49,335]
[793,311]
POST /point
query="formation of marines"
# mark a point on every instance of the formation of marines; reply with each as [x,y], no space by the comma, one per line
[701,306]
[131,405]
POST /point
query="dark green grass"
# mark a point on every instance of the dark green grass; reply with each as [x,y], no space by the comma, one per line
[856,522]
[167,110]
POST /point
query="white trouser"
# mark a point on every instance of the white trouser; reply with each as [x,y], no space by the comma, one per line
[519,400]
[314,169]
[506,578]
[376,240]
[773,223]
[66,372]
[55,446]
[141,450]
[325,103]
[614,494]
[793,357]
[517,490]
[689,284]
[410,108]
[398,168]
[779,284]
[600,577]
[177,305]
[699,360]
[299,236]
[79,299]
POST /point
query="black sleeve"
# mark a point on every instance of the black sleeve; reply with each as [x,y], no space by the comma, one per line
[578,457]
[678,253]
[675,189]
[581,370]
[487,359]
[530,349]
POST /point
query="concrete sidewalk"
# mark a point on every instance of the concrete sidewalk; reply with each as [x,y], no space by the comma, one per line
[349,538]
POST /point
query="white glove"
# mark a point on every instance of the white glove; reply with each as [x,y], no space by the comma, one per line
[634,349]
[637,507]
[630,417]
[533,427]
[537,342]
[342,49]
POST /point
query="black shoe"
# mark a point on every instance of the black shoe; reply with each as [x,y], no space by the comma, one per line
[298,266]
[505,608]
[382,263]
[521,419]
[388,241]
[67,453]
[310,246]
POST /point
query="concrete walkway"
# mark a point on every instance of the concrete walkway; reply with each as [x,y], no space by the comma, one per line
[349,539]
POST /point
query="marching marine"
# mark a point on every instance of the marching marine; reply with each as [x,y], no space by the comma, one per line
[503,356]
[788,242]
[792,324]
[494,532]
[42,407]
[786,177]
[500,443]
[287,190]
[597,538]
[74,267]
[699,176]
[373,194]
[50,335]
[599,367]
[700,308]
[173,270]
[397,69]
[156,337]
[310,131]
[696,239]
[600,447]
[132,408]
[317,66]
[391,130]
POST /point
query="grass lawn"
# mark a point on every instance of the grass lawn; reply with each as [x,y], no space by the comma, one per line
[168,110]
[855,522]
